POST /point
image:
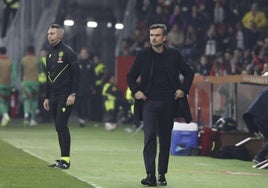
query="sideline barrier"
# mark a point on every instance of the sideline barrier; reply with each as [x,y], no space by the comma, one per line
[212,97]
[247,79]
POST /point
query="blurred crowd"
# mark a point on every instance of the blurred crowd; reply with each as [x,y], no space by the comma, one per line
[217,37]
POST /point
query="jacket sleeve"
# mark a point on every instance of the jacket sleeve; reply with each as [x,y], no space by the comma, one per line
[187,72]
[134,73]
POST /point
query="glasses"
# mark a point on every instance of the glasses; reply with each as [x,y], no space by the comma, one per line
[55,26]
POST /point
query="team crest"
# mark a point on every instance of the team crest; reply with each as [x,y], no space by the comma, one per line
[60,57]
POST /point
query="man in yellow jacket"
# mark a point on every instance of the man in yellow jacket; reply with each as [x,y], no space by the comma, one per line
[255,18]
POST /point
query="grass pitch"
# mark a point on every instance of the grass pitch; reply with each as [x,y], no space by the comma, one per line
[102,159]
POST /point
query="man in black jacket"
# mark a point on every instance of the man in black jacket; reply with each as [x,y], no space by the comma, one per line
[86,87]
[62,86]
[256,120]
[159,95]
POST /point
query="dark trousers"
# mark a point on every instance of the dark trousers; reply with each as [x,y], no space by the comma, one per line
[157,121]
[263,153]
[61,114]
[84,107]
[6,16]
[97,105]
[260,125]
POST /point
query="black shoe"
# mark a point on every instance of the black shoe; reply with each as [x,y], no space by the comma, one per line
[54,165]
[162,180]
[60,164]
[150,180]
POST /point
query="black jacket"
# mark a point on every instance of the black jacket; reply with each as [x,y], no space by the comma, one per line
[258,109]
[87,78]
[62,70]
[175,65]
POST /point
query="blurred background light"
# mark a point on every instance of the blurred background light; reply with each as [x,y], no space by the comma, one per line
[92,24]
[109,24]
[68,22]
[119,26]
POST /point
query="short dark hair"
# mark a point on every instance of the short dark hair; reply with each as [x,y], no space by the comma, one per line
[30,49]
[55,26]
[161,26]
[58,27]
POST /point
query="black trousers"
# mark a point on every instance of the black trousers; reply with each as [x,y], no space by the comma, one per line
[7,12]
[61,114]
[157,121]
[263,152]
[84,107]
[97,105]
[260,125]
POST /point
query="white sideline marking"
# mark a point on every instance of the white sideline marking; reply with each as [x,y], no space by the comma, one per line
[88,182]
[33,154]
[81,179]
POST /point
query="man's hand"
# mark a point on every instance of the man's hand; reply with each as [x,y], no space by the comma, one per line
[46,104]
[179,94]
[140,95]
[70,100]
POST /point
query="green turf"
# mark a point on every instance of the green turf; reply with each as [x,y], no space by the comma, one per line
[19,169]
[111,160]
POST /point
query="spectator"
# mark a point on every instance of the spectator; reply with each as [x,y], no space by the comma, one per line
[221,35]
[189,50]
[255,17]
[142,8]
[218,12]
[175,37]
[228,55]
[157,16]
[197,20]
[10,10]
[191,33]
[247,58]
[252,35]
[175,17]
[226,37]
[229,40]
[219,68]
[237,62]
[138,37]
[211,41]
[125,47]
[240,36]
[232,11]
[257,61]
[203,67]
